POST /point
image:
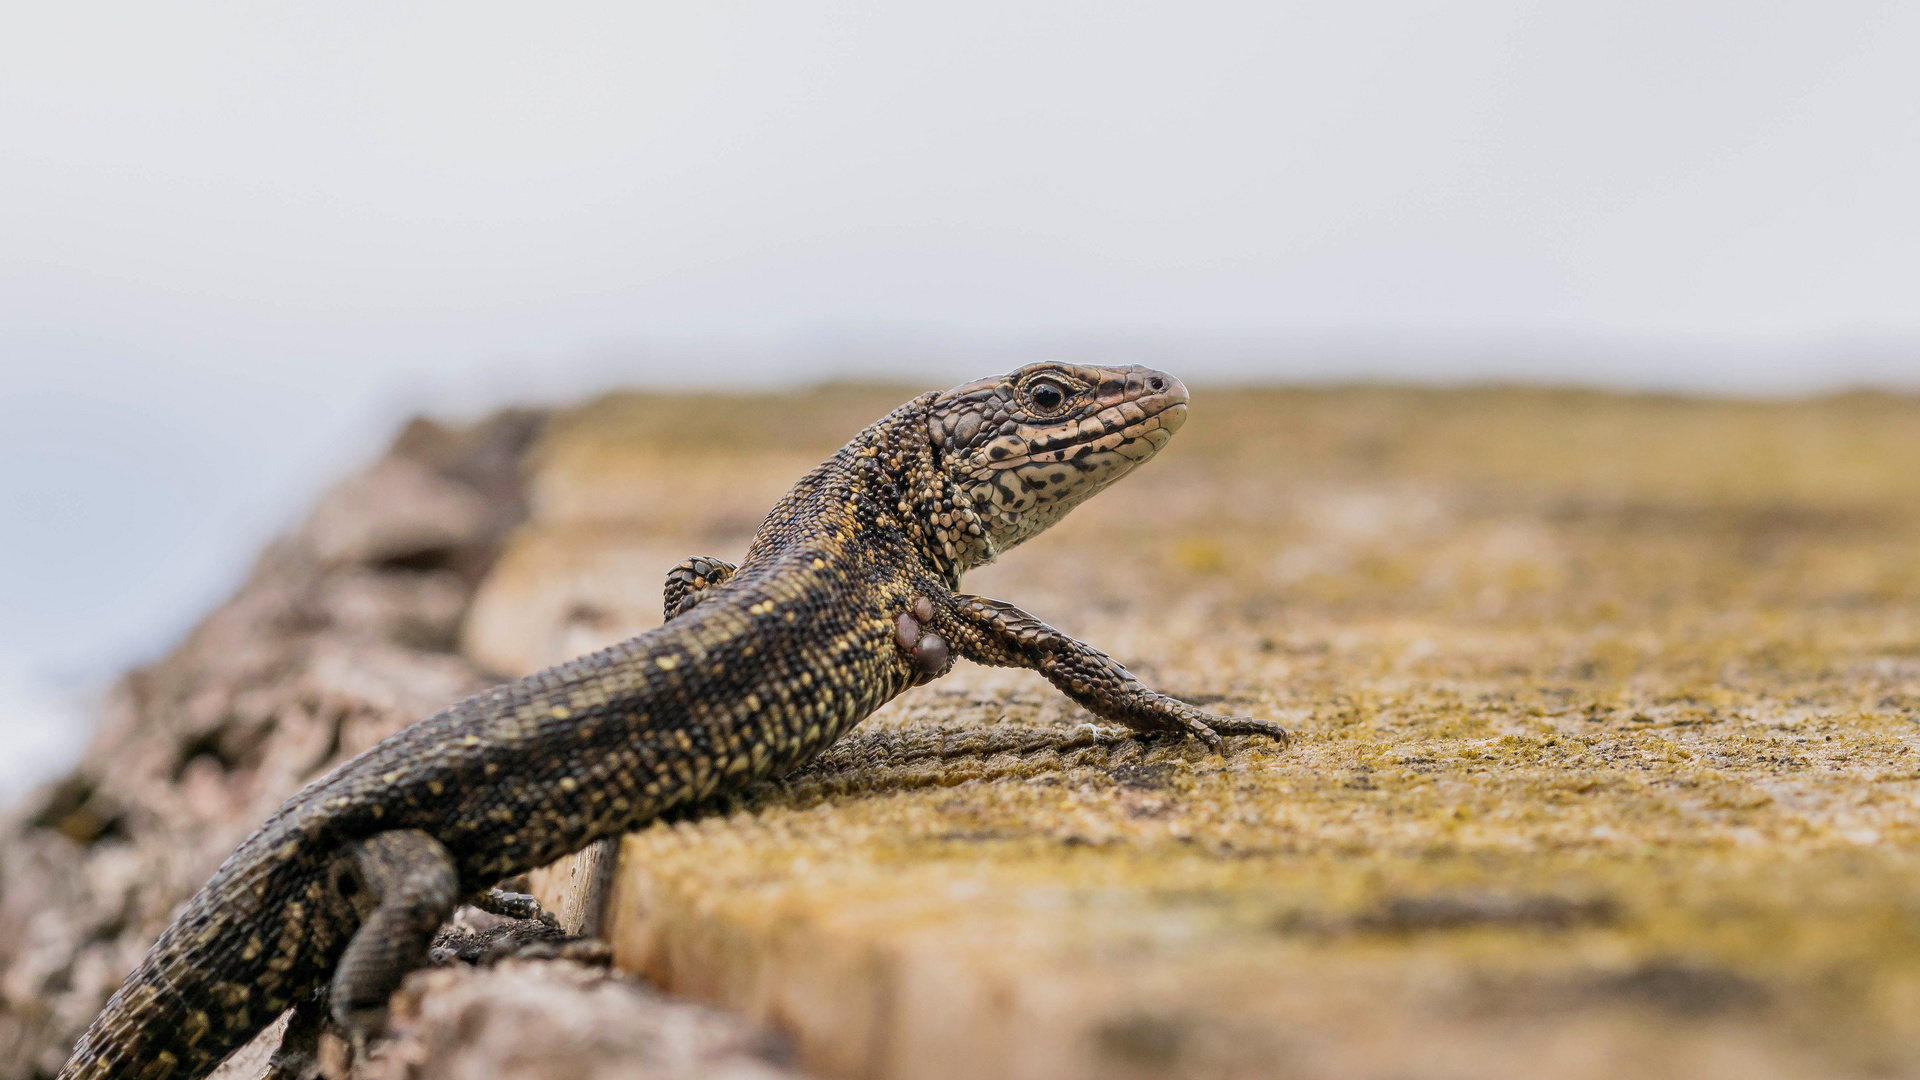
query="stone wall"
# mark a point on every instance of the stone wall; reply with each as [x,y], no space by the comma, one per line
[1605,763]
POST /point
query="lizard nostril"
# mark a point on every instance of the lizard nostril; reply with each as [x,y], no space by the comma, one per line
[1156,384]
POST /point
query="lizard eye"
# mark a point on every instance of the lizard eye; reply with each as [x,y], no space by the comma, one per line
[1046,395]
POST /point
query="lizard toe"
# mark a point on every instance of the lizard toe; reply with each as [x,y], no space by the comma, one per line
[1201,729]
[1246,725]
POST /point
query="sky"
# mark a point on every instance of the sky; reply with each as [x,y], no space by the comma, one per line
[239,242]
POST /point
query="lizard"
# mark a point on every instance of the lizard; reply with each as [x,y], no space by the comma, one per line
[848,596]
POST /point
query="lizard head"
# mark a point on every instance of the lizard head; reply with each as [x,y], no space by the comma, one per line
[1022,449]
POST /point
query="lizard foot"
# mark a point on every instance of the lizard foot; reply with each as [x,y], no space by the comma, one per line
[474,936]
[1167,715]
[997,633]
[512,905]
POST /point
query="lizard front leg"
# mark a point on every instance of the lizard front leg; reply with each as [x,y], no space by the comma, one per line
[404,885]
[688,582]
[1001,635]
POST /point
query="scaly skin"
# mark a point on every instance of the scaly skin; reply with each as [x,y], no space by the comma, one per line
[846,598]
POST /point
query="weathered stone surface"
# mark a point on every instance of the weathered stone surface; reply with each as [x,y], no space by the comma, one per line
[577,889]
[343,633]
[563,1021]
[1607,720]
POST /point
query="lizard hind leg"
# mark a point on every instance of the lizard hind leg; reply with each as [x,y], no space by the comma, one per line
[512,905]
[687,583]
[404,885]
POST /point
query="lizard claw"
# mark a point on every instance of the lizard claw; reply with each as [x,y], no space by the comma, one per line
[1172,715]
[1247,725]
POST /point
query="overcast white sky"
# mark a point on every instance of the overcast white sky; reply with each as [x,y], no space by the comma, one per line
[238,241]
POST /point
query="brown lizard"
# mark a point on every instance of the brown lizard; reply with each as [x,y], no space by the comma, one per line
[847,597]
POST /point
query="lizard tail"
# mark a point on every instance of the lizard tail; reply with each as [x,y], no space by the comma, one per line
[224,970]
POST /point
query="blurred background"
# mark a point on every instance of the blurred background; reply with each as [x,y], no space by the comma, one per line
[238,245]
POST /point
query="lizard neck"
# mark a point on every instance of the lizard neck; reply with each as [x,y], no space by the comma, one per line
[902,471]
[885,490]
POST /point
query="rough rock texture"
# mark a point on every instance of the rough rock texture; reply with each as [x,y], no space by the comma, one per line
[563,1021]
[343,632]
[1607,712]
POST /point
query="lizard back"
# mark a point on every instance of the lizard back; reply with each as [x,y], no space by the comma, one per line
[754,680]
